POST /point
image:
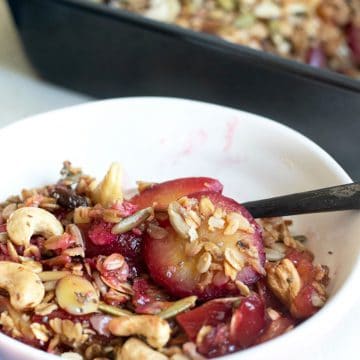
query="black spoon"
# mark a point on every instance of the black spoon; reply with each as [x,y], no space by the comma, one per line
[342,197]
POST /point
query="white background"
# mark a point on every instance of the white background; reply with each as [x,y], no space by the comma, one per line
[22,94]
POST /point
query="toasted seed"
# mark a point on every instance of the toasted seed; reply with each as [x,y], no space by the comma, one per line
[52,275]
[76,295]
[177,221]
[178,307]
[204,262]
[113,310]
[132,221]
[234,258]
[273,255]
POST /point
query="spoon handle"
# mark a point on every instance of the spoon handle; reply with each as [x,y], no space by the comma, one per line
[342,197]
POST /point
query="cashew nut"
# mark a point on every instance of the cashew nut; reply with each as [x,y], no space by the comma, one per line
[24,286]
[110,188]
[155,330]
[28,221]
[135,349]
[284,280]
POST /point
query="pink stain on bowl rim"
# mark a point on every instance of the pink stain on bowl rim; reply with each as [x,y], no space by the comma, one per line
[230,132]
[194,140]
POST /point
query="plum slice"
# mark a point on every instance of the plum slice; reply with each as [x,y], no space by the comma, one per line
[160,195]
[211,244]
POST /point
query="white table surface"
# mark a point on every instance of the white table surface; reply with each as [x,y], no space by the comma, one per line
[23,93]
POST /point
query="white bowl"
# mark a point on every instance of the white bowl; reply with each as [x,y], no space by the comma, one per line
[160,138]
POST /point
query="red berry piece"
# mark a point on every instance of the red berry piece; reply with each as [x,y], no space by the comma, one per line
[247,322]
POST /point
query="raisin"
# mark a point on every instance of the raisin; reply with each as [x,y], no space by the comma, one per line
[67,198]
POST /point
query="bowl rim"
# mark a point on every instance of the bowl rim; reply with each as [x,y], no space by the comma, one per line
[336,306]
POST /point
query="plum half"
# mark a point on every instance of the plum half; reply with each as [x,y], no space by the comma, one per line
[160,195]
[211,247]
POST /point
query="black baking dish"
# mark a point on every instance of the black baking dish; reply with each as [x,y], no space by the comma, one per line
[106,52]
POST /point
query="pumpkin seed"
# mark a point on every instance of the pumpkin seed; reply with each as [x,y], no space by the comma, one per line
[178,307]
[113,310]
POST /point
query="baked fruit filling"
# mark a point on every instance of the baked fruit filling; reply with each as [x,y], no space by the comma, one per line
[178,271]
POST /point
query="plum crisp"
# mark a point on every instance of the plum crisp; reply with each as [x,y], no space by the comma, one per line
[178,271]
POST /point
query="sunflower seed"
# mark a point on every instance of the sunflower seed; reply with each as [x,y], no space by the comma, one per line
[132,221]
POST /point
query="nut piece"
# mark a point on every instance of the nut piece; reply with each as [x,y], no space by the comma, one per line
[155,330]
[23,285]
[110,188]
[76,295]
[28,221]
[135,349]
[284,280]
